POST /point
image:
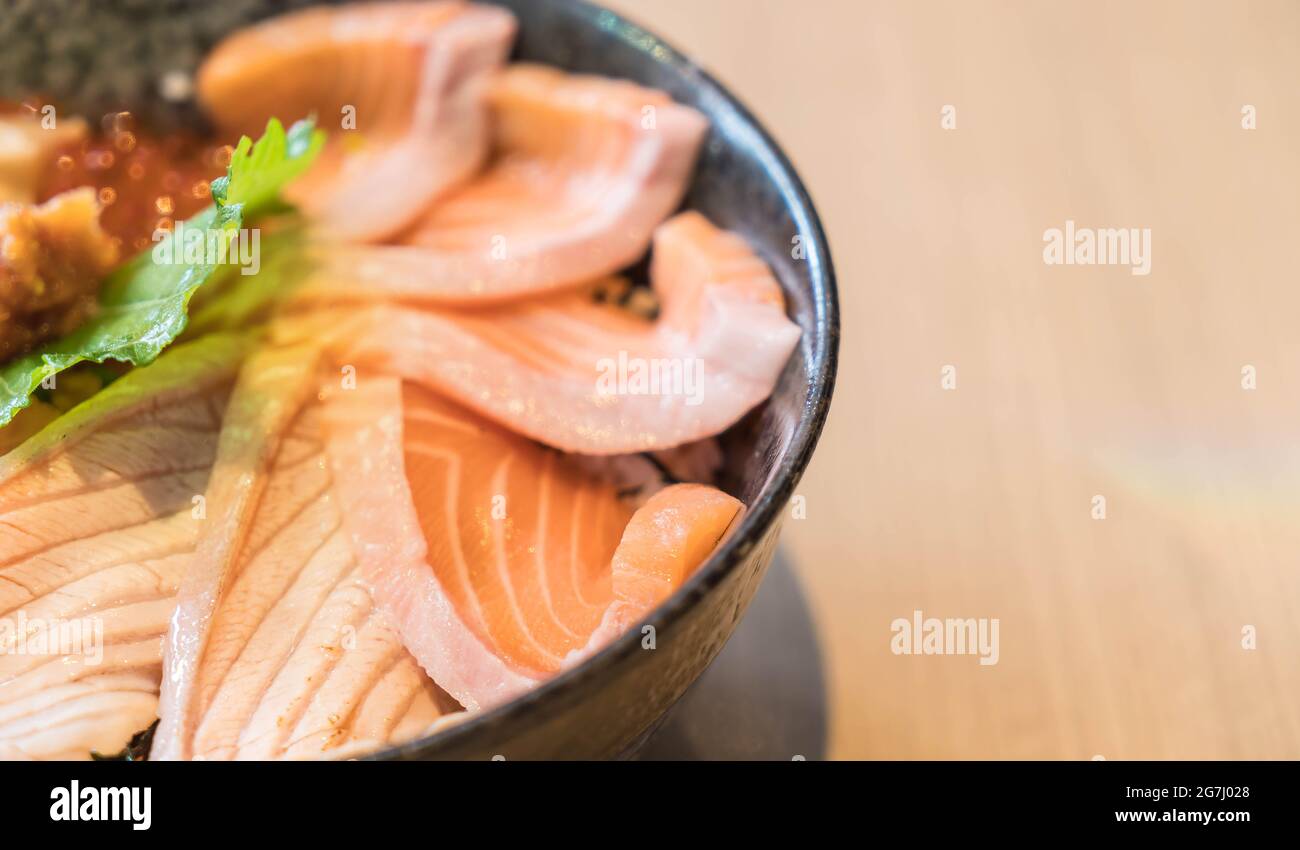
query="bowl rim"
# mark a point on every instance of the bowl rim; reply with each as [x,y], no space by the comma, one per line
[568,686]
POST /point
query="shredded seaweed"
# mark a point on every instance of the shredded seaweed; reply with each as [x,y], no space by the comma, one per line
[663,470]
[137,749]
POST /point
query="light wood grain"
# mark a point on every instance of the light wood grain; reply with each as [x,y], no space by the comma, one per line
[1120,637]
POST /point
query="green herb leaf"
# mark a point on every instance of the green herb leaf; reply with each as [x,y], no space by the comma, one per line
[215,357]
[144,304]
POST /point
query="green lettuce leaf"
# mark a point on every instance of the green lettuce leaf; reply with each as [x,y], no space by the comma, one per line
[144,304]
[185,366]
[234,300]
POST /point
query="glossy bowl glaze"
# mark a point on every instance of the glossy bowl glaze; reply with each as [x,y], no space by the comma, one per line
[609,704]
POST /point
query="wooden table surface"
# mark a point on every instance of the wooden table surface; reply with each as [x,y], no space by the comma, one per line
[1123,637]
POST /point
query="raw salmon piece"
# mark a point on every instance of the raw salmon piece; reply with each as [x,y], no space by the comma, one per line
[399,87]
[586,168]
[500,561]
[667,539]
[276,649]
[581,376]
[97,526]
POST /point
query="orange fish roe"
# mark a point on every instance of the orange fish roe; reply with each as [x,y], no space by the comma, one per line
[138,176]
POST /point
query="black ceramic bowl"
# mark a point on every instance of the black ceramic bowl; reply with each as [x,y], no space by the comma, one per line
[609,704]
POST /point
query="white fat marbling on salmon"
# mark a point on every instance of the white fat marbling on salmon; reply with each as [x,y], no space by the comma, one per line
[586,167]
[276,649]
[502,562]
[399,87]
[97,528]
[536,366]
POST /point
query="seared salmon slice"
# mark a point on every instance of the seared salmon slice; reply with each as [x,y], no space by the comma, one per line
[501,562]
[399,87]
[585,168]
[276,649]
[592,378]
[99,514]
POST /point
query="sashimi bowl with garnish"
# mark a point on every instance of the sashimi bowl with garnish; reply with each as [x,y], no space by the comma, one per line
[391,379]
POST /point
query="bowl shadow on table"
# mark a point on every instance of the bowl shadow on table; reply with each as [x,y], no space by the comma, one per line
[764,696]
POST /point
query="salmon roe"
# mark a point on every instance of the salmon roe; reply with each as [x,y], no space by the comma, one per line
[144,181]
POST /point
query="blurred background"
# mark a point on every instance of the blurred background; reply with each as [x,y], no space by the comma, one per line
[940,141]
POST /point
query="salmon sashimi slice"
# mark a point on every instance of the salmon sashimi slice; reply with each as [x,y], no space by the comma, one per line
[585,169]
[667,539]
[99,514]
[276,649]
[404,82]
[501,562]
[591,378]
